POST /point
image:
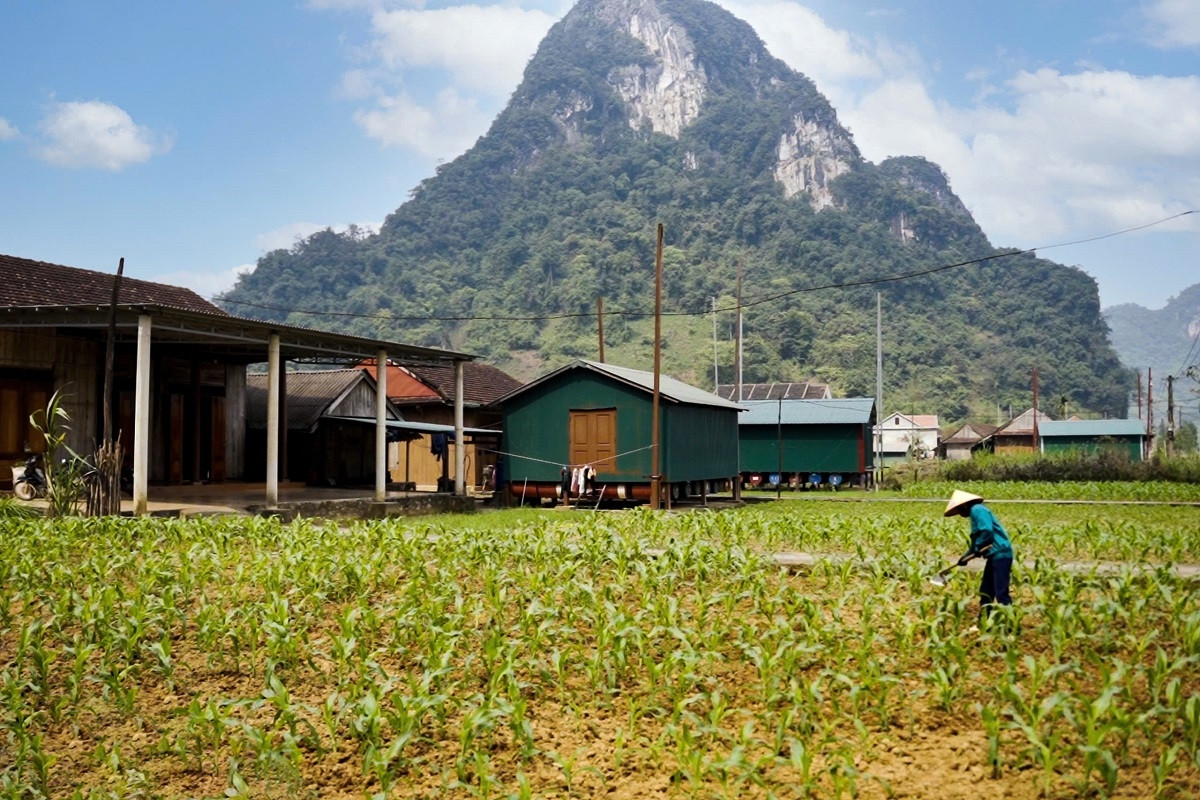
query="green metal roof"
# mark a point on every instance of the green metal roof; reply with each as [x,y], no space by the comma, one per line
[668,387]
[1093,428]
[839,411]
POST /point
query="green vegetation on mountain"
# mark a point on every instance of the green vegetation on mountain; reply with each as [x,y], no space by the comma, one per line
[505,250]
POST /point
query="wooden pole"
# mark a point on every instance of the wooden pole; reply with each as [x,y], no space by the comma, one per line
[779,447]
[737,377]
[737,353]
[1149,437]
[104,492]
[655,500]
[1036,447]
[109,351]
[600,324]
[1170,416]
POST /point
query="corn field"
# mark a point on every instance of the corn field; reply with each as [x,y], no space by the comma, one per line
[569,654]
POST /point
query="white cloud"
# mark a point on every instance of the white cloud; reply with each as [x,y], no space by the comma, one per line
[205,284]
[1173,23]
[483,47]
[442,130]
[97,135]
[800,37]
[7,130]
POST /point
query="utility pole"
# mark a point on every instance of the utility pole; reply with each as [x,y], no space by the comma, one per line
[600,322]
[878,389]
[739,332]
[737,357]
[1036,445]
[779,447]
[716,374]
[655,478]
[1139,394]
[1170,416]
[1149,411]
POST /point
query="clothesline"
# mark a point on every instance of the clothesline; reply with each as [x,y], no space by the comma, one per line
[569,466]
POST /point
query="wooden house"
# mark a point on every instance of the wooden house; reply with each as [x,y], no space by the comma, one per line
[798,439]
[327,442]
[1018,434]
[426,394]
[965,440]
[589,413]
[178,392]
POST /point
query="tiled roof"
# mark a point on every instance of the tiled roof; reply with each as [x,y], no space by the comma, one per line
[24,282]
[910,421]
[969,433]
[309,395]
[803,390]
[482,383]
[1022,424]
[403,386]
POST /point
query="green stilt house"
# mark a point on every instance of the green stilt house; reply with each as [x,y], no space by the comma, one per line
[797,440]
[598,416]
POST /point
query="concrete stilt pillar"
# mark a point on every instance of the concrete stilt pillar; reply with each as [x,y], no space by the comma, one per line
[381,426]
[141,419]
[460,447]
[273,365]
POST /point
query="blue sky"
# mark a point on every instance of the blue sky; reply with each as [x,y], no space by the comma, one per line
[192,137]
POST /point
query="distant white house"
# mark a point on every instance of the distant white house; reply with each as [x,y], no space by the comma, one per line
[908,436]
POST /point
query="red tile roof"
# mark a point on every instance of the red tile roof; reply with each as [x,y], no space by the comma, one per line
[401,385]
[482,383]
[24,282]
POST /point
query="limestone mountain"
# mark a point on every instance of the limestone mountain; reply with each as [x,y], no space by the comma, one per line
[635,112]
[1163,340]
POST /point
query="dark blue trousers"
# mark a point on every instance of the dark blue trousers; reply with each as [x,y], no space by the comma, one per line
[993,588]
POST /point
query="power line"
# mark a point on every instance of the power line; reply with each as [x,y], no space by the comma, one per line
[769,298]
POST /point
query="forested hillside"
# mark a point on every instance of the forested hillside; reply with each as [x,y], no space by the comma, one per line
[1163,340]
[505,250]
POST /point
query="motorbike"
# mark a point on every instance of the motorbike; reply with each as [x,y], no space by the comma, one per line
[29,481]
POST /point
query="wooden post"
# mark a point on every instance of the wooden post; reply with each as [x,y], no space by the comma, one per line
[1036,445]
[1170,416]
[600,324]
[655,478]
[109,350]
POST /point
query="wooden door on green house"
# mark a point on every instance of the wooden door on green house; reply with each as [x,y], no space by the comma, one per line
[594,438]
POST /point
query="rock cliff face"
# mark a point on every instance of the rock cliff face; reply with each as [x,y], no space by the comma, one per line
[810,156]
[676,68]
[665,95]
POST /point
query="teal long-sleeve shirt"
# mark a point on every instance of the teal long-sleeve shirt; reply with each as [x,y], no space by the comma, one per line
[988,537]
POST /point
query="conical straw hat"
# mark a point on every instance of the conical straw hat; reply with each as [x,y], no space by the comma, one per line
[959,499]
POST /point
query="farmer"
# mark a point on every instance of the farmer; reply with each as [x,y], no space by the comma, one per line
[989,540]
